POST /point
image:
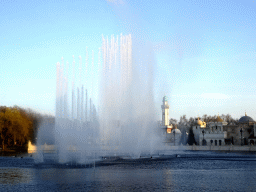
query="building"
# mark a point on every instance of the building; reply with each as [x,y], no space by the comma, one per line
[211,133]
[170,132]
[218,132]
[164,124]
[215,132]
[252,137]
[243,133]
[165,112]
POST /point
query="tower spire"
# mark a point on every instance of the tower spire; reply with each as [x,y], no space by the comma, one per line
[165,112]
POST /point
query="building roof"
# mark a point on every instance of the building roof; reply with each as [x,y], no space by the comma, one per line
[198,122]
[218,119]
[245,119]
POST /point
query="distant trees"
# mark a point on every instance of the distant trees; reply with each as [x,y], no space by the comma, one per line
[227,118]
[184,137]
[173,121]
[17,126]
[191,121]
[14,126]
[183,125]
[191,137]
[209,118]
[183,120]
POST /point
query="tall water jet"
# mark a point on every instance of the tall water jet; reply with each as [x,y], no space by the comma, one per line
[125,123]
[127,103]
[74,137]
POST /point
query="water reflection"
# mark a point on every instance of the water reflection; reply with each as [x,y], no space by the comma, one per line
[15,175]
[138,178]
[60,176]
[116,178]
[168,178]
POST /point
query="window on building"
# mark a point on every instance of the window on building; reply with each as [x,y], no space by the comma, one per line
[216,142]
[211,142]
[219,142]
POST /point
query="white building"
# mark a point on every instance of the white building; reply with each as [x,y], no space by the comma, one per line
[211,133]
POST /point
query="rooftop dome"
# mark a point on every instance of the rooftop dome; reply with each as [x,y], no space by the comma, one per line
[245,119]
[199,122]
[218,119]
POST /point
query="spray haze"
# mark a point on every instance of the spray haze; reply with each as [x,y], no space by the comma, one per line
[128,111]
[126,123]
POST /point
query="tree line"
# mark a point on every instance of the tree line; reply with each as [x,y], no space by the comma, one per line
[206,118]
[18,126]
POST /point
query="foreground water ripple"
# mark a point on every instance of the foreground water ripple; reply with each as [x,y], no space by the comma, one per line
[195,172]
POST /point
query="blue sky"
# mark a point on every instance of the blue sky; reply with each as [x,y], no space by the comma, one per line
[204,51]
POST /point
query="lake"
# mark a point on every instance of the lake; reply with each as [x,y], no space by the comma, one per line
[186,171]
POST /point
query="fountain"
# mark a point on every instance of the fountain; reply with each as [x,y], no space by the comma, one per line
[127,106]
[125,124]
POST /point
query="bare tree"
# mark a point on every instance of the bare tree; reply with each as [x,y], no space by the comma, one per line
[173,121]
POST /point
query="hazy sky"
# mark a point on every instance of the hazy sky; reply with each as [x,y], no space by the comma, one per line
[204,51]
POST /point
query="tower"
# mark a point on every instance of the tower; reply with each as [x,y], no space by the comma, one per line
[165,112]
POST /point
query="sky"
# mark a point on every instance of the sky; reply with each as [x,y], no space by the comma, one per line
[204,51]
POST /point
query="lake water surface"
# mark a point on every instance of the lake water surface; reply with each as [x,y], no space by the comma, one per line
[189,171]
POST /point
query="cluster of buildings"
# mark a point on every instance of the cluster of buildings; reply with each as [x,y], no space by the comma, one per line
[215,132]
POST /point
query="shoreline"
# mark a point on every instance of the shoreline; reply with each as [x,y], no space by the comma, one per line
[228,148]
[224,148]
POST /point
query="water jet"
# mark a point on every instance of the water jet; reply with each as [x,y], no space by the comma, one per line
[125,124]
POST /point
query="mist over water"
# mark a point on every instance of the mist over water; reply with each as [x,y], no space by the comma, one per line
[124,123]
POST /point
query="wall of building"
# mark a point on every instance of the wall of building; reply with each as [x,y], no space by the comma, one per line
[234,134]
[213,148]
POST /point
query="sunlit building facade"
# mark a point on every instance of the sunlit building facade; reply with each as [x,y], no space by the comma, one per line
[218,132]
[211,133]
